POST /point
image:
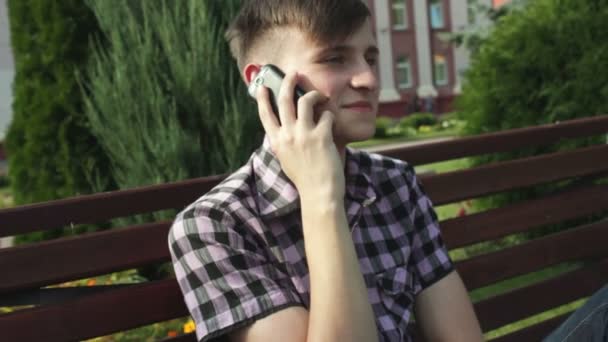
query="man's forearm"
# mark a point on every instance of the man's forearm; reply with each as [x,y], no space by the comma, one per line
[340,308]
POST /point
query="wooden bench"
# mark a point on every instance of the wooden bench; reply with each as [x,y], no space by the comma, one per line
[62,314]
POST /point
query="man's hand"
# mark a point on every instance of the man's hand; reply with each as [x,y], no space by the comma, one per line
[305,149]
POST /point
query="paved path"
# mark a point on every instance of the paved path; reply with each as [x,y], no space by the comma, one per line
[405,144]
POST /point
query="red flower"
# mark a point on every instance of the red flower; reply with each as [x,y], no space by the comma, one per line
[462,212]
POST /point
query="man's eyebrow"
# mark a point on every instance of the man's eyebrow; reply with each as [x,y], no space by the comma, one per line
[347,48]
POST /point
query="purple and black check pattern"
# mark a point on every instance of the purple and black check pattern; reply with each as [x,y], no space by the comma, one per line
[238,251]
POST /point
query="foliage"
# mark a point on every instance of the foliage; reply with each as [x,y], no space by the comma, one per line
[543,63]
[482,17]
[48,140]
[165,98]
[6,200]
[451,121]
[383,124]
[415,120]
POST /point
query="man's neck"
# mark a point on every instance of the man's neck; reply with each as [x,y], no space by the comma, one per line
[342,152]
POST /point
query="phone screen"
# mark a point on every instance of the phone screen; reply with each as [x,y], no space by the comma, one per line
[271,77]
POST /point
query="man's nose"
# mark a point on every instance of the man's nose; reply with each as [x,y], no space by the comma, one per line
[365,76]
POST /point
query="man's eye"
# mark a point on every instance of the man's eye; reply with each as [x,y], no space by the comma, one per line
[334,59]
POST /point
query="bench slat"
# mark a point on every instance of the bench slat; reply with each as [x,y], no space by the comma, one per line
[499,141]
[442,188]
[534,255]
[103,206]
[69,259]
[488,179]
[528,301]
[191,337]
[535,332]
[83,256]
[52,295]
[98,315]
[499,222]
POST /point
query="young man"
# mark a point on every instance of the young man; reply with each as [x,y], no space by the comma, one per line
[311,240]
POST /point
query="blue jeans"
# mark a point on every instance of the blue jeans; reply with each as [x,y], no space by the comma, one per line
[587,324]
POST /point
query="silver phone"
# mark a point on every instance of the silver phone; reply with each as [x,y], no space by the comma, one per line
[271,77]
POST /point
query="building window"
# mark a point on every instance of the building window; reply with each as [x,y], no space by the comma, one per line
[436,11]
[399,15]
[404,73]
[441,70]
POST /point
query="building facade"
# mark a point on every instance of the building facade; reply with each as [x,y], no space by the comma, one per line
[416,61]
[419,68]
[7,71]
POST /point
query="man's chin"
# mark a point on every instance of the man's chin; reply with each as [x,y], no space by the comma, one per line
[354,137]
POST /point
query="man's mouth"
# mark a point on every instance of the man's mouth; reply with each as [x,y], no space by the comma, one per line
[359,106]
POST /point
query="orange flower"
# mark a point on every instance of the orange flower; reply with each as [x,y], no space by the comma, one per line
[172,333]
[189,327]
[91,282]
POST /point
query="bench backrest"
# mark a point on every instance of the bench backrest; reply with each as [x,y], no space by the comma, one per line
[86,312]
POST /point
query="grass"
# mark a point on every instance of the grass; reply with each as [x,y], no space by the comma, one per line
[522,281]
[524,323]
[6,200]
[449,210]
[420,136]
[444,166]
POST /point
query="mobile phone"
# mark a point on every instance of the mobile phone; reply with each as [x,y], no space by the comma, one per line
[271,77]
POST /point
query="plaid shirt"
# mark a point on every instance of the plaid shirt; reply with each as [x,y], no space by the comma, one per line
[238,251]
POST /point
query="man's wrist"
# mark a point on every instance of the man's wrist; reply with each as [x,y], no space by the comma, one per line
[321,203]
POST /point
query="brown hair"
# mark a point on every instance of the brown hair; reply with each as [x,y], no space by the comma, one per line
[325,21]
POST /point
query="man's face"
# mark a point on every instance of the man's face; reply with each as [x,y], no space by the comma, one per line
[345,72]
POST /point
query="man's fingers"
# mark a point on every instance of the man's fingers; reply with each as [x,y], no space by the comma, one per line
[267,116]
[306,107]
[326,122]
[285,101]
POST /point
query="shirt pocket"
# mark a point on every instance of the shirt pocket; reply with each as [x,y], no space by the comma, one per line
[396,292]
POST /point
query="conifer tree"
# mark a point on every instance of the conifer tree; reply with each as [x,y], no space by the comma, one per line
[164,97]
[48,142]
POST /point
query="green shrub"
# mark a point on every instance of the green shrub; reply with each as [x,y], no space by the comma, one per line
[49,144]
[416,120]
[451,121]
[542,63]
[48,140]
[165,98]
[383,125]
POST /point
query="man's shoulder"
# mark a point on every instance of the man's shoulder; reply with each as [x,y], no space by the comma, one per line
[379,164]
[228,203]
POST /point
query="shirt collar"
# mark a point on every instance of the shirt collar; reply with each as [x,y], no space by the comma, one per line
[277,195]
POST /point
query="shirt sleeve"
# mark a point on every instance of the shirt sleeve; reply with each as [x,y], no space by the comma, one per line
[429,258]
[225,277]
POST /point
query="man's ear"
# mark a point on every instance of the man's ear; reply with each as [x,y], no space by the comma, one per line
[250,71]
